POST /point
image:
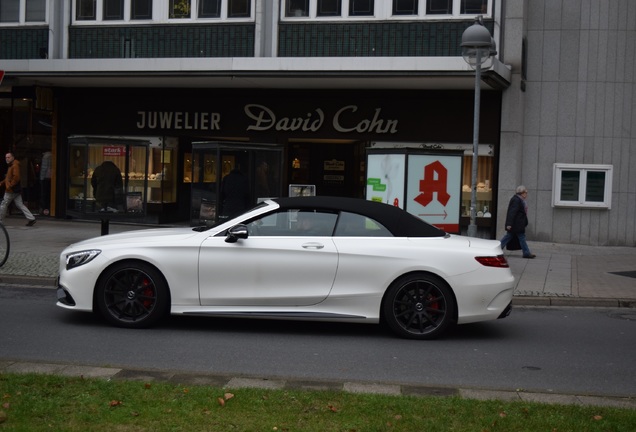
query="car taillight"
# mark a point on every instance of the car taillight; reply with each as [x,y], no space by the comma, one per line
[493,261]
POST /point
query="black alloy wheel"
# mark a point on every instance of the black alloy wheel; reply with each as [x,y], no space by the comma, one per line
[419,306]
[132,295]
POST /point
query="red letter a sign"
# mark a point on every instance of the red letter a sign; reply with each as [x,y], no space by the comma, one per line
[435,180]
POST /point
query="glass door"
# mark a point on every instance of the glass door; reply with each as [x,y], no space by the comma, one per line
[230,178]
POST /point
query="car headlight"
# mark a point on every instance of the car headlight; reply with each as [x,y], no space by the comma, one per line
[77,259]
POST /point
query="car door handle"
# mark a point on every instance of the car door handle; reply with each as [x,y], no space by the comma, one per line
[313,245]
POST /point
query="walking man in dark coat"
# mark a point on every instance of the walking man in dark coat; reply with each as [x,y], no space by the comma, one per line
[517,221]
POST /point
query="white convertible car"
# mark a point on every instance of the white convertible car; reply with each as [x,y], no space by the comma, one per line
[309,258]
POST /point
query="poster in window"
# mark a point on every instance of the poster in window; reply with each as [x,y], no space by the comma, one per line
[385,179]
[433,191]
[134,203]
[207,211]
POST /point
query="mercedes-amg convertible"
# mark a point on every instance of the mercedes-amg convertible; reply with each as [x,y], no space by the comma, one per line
[306,258]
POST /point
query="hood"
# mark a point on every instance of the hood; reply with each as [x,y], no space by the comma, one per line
[137,236]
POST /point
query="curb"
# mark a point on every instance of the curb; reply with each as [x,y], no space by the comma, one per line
[28,281]
[573,302]
[277,383]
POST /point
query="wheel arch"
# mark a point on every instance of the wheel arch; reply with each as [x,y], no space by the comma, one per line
[131,261]
[415,273]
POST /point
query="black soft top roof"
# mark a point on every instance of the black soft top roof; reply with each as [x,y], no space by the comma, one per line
[396,220]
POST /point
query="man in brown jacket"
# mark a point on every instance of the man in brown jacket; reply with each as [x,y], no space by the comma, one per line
[13,190]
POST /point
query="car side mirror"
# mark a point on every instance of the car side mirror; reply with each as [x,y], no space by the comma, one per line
[236,232]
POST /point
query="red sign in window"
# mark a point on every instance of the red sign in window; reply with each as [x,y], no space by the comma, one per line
[113,151]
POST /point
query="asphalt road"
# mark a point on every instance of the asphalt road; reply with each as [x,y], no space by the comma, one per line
[561,350]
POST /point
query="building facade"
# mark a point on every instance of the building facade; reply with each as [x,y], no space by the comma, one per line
[568,125]
[179,93]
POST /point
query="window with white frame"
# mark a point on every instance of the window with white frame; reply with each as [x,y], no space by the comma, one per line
[23,11]
[405,7]
[210,8]
[587,186]
[141,9]
[384,9]
[97,11]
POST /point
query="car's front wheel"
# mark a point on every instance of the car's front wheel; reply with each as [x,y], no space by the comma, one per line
[132,295]
[419,306]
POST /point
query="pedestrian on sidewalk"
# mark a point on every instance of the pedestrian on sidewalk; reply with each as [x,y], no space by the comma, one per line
[13,190]
[517,221]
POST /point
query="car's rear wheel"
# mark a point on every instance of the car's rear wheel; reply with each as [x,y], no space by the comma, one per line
[419,306]
[132,295]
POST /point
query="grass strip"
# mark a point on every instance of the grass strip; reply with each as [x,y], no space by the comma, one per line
[36,402]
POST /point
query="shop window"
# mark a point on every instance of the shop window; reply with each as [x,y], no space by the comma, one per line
[113,9]
[147,169]
[587,186]
[209,9]
[361,7]
[404,7]
[329,8]
[485,172]
[141,9]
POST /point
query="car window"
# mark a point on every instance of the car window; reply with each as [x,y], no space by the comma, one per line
[293,223]
[355,225]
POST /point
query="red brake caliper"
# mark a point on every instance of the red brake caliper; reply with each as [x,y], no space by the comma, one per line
[148,291]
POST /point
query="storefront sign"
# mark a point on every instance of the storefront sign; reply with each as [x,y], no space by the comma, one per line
[262,118]
[178,120]
[333,165]
[276,115]
[344,121]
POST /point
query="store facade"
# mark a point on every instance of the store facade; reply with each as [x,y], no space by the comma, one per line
[275,137]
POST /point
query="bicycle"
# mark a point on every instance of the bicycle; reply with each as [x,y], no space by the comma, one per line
[5,245]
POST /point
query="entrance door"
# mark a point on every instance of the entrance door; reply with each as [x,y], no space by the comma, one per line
[333,167]
[230,178]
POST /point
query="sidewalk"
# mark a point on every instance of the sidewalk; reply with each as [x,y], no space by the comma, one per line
[560,275]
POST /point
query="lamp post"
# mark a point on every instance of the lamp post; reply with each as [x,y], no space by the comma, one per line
[477,47]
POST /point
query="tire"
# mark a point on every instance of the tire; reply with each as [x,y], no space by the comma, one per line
[419,306]
[132,295]
[5,245]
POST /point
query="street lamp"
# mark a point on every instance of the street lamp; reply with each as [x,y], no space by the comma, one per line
[477,47]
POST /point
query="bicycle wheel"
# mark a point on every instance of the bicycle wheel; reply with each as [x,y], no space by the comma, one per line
[4,245]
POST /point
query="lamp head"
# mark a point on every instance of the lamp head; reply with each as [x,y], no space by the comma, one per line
[477,44]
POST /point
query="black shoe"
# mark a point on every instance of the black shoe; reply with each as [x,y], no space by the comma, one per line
[31,223]
[529,256]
